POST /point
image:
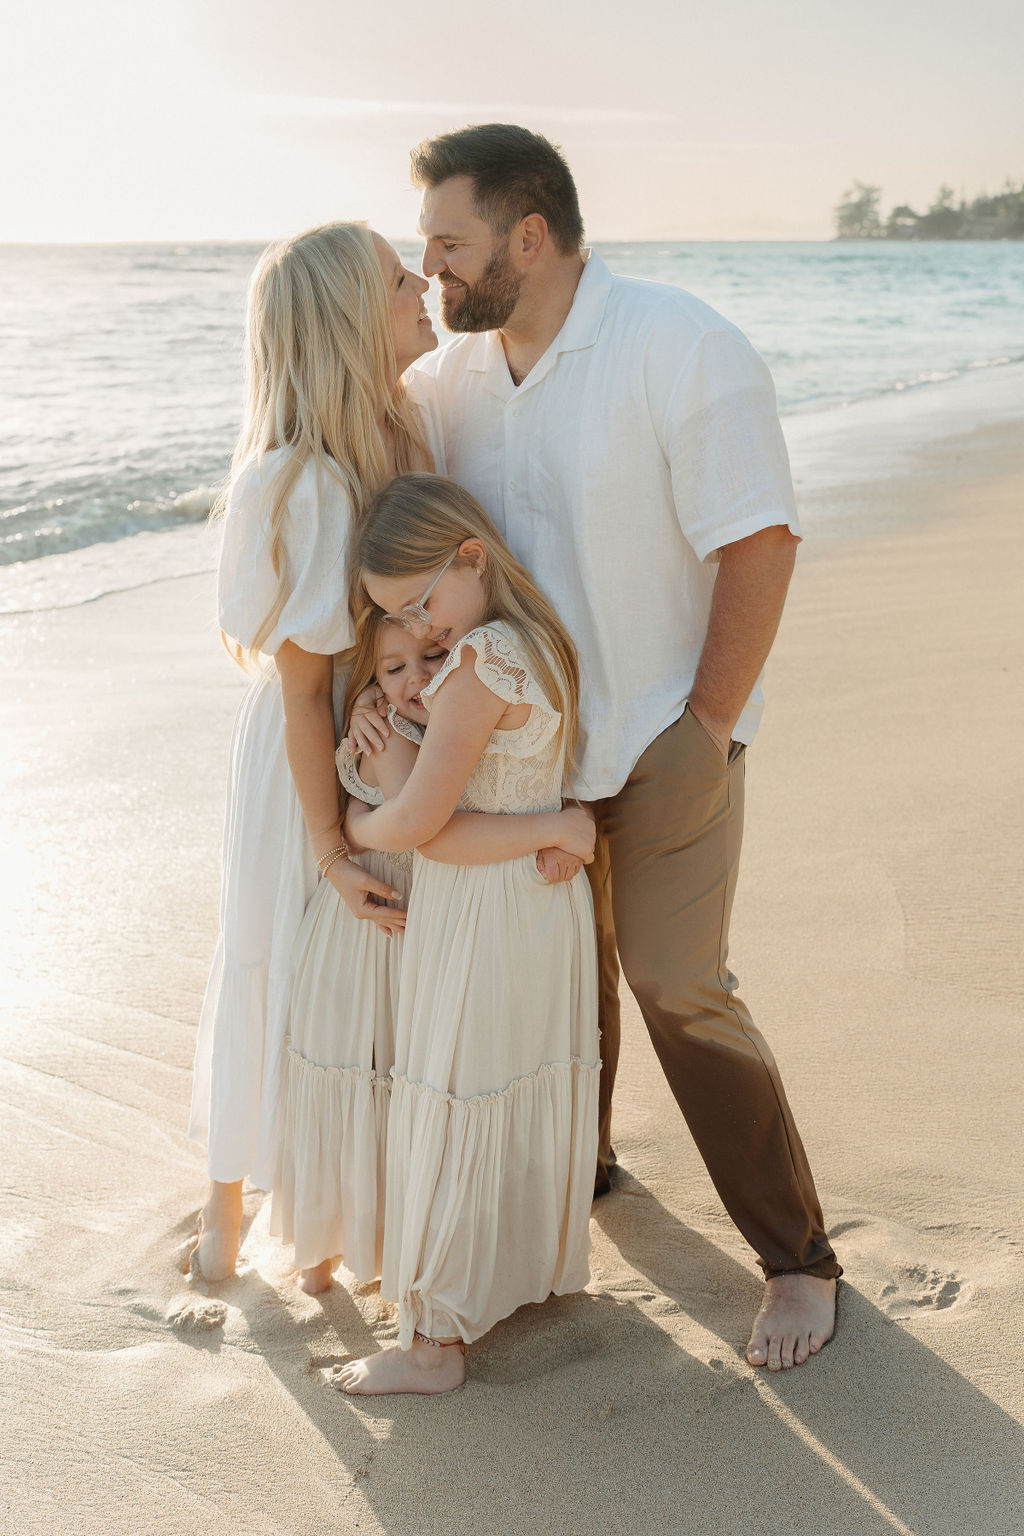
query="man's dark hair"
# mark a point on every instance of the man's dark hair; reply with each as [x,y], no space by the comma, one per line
[514,172]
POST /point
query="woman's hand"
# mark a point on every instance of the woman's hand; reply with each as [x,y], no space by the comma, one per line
[364,896]
[367,729]
[558,867]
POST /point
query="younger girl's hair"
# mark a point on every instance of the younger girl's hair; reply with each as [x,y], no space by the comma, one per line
[322,379]
[412,527]
[364,660]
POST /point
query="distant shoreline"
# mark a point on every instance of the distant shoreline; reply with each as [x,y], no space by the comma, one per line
[998,216]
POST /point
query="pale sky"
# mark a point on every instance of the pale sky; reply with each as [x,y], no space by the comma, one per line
[735,119]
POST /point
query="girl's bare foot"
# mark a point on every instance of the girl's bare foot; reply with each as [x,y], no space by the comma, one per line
[426,1367]
[215,1250]
[317,1279]
[797,1316]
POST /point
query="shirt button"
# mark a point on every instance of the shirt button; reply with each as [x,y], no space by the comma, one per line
[515,410]
[511,485]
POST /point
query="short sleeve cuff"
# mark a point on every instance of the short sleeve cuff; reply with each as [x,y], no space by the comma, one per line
[707,543]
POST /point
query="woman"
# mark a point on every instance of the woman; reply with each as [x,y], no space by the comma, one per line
[334,319]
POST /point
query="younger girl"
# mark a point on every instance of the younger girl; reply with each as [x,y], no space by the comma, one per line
[493,1120]
[329,1195]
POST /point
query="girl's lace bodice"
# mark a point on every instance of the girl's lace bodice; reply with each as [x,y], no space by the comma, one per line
[520,770]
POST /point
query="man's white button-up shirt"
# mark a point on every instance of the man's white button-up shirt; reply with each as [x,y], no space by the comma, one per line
[645,439]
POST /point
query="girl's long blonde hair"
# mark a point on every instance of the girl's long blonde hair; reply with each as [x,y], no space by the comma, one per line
[411,528]
[322,379]
[363,670]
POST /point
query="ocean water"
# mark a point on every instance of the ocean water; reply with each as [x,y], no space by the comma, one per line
[121,373]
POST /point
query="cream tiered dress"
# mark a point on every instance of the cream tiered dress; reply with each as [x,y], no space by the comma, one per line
[328,1197]
[492,1136]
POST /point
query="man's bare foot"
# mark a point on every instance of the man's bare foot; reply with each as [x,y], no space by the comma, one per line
[797,1316]
[423,1368]
[215,1250]
[317,1279]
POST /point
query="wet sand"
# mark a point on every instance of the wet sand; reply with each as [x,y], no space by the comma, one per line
[877,939]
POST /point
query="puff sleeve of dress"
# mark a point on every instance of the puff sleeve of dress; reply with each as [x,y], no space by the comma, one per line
[315,537]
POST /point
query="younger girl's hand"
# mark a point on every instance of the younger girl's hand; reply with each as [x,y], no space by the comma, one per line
[557,866]
[364,896]
[367,729]
[577,833]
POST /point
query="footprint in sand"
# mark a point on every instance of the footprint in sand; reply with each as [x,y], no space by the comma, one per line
[904,1266]
[919,1288]
[196,1314]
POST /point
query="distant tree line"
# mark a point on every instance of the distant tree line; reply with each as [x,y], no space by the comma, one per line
[858,216]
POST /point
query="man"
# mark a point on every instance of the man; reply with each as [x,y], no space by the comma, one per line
[625,439]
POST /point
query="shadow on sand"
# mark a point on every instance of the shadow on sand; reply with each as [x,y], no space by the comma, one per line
[586,1413]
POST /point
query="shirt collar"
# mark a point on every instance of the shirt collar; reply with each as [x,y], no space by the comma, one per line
[580,329]
[583,322]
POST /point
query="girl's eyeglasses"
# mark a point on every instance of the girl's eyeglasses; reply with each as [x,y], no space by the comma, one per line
[416,613]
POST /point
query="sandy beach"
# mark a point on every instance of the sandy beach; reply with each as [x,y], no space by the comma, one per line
[877,937]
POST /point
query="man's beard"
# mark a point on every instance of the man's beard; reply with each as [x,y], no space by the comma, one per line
[489,303]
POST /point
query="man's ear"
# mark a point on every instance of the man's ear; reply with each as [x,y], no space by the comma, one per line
[529,239]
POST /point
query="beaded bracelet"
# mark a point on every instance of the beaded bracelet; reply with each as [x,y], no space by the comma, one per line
[339,853]
[342,848]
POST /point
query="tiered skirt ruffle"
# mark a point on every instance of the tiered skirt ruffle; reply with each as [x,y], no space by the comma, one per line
[488,1198]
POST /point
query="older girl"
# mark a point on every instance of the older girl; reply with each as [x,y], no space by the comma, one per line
[493,1120]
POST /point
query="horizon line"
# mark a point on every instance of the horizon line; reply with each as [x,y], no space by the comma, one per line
[414,239]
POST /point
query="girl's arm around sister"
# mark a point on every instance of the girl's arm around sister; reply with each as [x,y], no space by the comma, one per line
[470,837]
[464,715]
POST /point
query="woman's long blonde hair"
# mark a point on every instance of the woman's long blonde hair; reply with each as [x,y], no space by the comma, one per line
[411,528]
[322,379]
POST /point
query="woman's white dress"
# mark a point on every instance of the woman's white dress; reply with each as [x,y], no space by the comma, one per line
[269,873]
[492,1135]
[329,1194]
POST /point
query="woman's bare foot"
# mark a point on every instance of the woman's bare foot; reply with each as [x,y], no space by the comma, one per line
[797,1316]
[215,1250]
[423,1368]
[317,1279]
